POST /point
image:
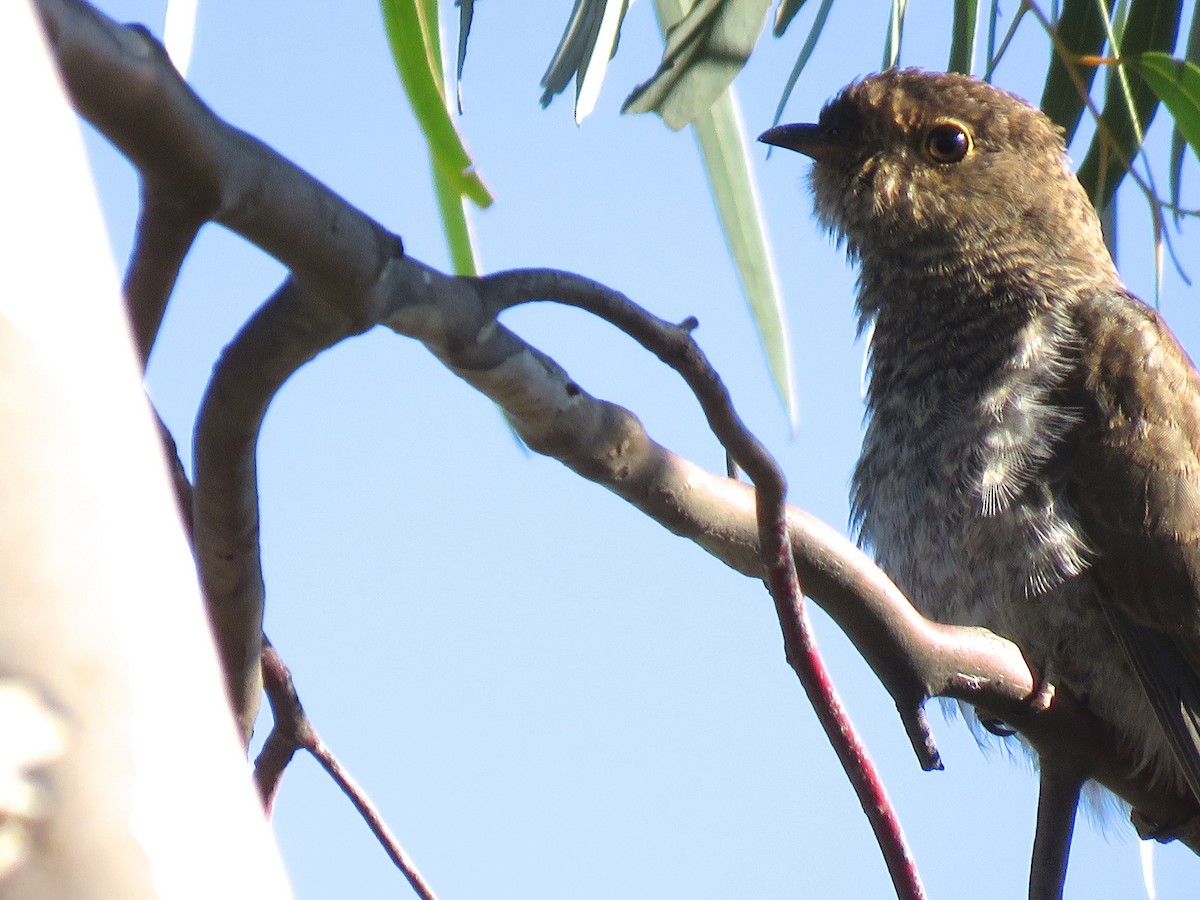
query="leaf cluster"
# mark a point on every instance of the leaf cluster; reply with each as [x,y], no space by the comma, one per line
[707,43]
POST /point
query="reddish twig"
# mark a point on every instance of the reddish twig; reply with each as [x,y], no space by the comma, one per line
[350,274]
[293,731]
[673,344]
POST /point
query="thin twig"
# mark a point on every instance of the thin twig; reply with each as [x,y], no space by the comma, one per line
[674,345]
[166,229]
[353,275]
[1058,799]
[292,730]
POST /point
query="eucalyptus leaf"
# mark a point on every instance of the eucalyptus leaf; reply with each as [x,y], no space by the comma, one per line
[721,137]
[1176,82]
[963,34]
[1175,169]
[706,48]
[1151,25]
[810,44]
[1080,31]
[593,69]
[895,34]
[588,42]
[784,13]
[466,13]
[575,44]
[993,18]
[455,225]
[412,32]
[1191,53]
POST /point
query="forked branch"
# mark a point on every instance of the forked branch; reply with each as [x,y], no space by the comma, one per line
[350,274]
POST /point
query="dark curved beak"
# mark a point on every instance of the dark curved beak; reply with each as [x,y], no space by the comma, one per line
[811,140]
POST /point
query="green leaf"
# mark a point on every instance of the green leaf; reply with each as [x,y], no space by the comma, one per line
[577,39]
[1176,83]
[589,41]
[720,136]
[962,42]
[895,34]
[993,18]
[1175,171]
[1151,25]
[466,13]
[706,48]
[412,32]
[591,76]
[726,156]
[784,13]
[455,225]
[1080,30]
[802,60]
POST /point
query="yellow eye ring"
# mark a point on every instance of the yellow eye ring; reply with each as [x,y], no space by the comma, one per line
[947,142]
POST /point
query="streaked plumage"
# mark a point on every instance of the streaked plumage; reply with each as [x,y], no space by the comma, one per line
[1032,455]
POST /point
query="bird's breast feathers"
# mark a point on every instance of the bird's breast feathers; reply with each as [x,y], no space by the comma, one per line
[954,488]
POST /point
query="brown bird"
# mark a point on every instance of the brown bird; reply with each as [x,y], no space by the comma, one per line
[1031,462]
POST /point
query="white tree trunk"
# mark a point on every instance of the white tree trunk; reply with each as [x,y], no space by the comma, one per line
[120,772]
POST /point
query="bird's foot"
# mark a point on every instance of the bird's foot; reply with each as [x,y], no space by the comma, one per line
[1039,701]
[1042,696]
[1186,832]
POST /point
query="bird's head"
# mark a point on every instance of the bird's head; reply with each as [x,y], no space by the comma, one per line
[908,160]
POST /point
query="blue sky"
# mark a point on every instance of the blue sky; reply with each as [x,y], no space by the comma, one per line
[548,695]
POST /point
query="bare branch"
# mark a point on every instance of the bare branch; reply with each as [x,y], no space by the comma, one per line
[349,274]
[673,344]
[290,727]
[1058,799]
[165,232]
[286,332]
[293,731]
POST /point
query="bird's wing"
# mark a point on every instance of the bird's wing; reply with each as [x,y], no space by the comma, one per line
[1134,481]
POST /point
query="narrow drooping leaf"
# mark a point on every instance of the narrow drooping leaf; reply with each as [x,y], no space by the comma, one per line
[721,136]
[784,13]
[578,36]
[895,34]
[810,43]
[993,19]
[466,13]
[1118,18]
[412,31]
[1176,82]
[1150,26]
[1080,29]
[460,242]
[963,34]
[706,48]
[994,53]
[587,44]
[595,66]
[1175,169]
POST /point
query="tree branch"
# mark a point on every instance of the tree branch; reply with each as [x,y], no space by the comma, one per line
[673,344]
[292,730]
[349,274]
[165,233]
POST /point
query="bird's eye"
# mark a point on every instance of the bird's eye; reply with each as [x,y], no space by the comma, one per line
[947,142]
